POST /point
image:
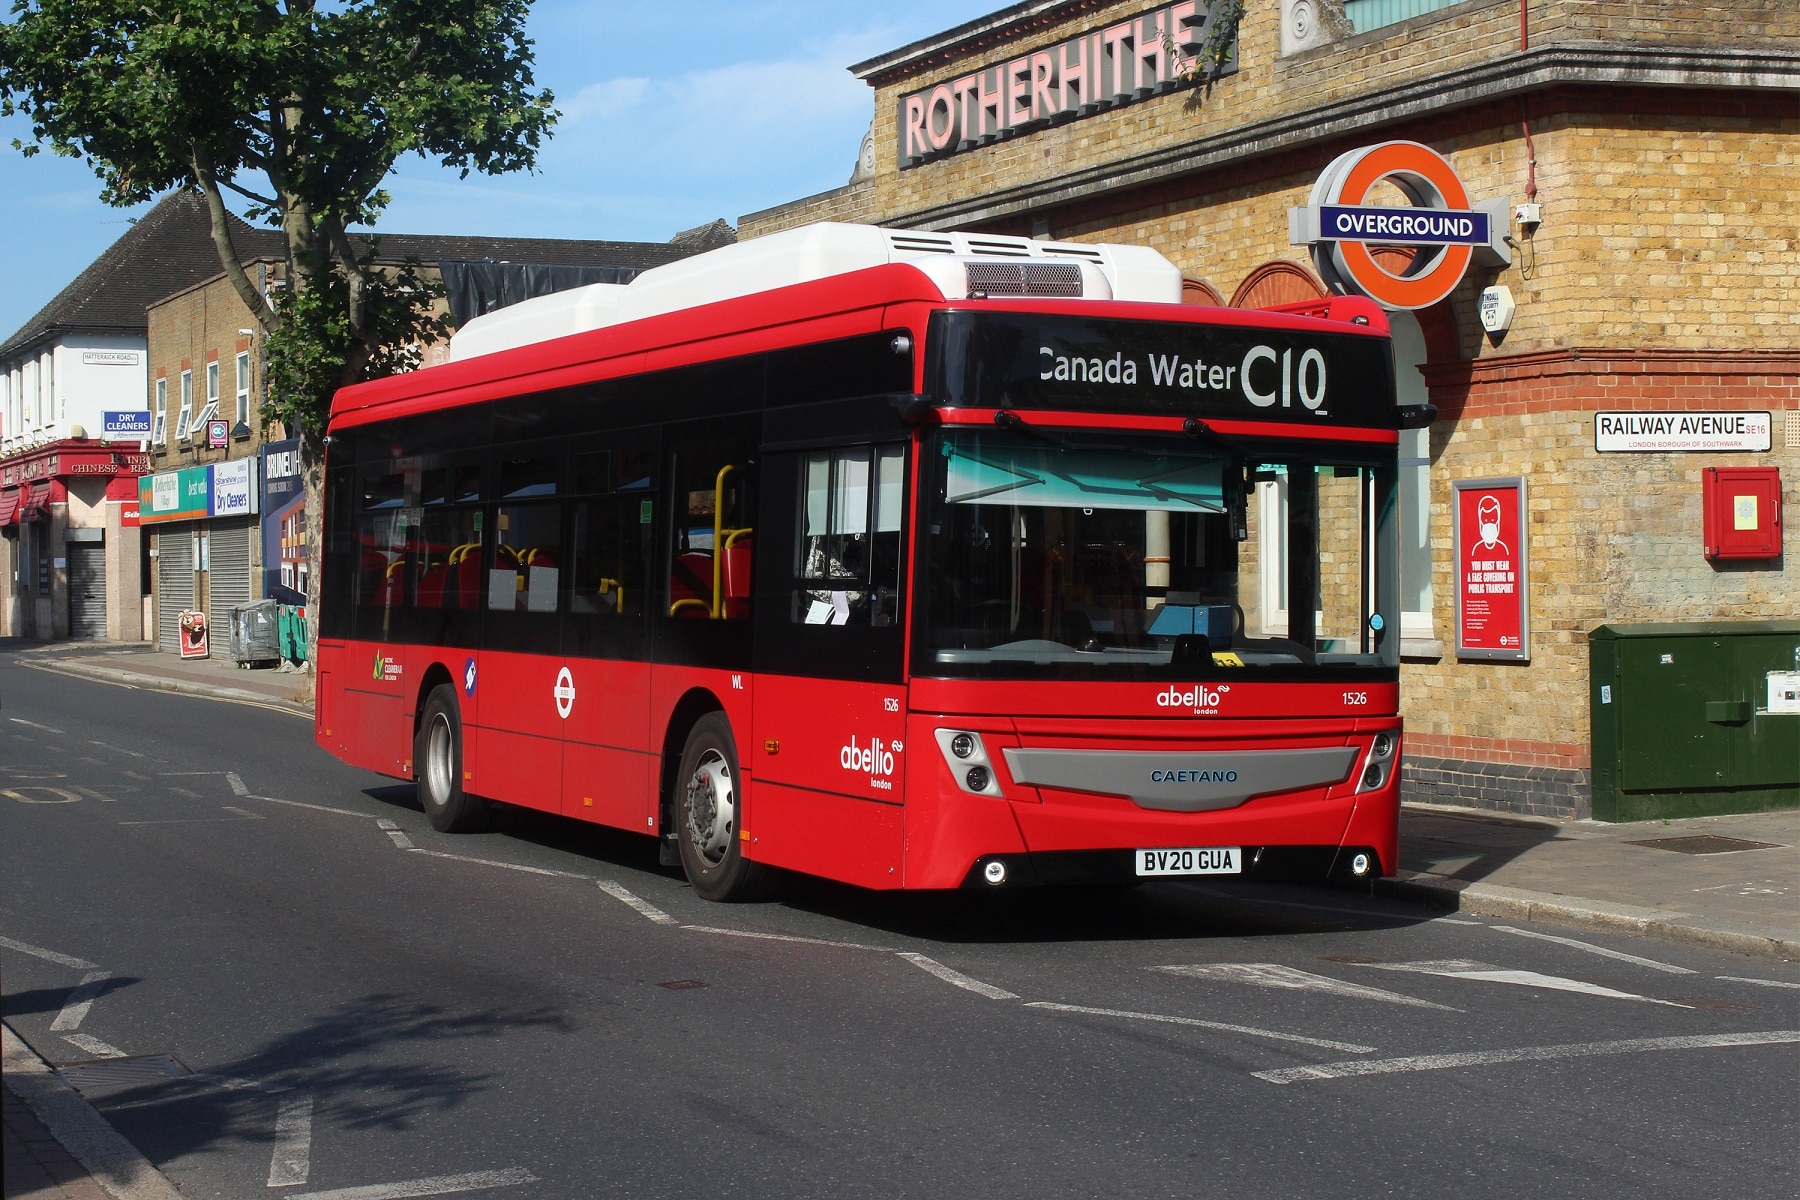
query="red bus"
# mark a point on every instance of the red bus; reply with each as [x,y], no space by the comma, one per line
[911,560]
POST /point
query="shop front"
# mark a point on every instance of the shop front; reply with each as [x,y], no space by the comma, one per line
[69,543]
[1599,316]
[204,546]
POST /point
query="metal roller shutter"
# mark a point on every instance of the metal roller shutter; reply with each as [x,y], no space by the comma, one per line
[87,590]
[228,584]
[174,586]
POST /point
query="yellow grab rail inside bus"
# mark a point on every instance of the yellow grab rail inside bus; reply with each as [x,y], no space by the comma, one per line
[723,539]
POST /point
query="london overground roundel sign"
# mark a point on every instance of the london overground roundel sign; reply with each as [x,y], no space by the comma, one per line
[1444,230]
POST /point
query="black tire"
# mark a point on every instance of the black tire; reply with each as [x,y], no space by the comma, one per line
[438,766]
[707,815]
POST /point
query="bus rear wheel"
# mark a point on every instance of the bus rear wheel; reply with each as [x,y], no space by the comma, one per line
[437,759]
[708,816]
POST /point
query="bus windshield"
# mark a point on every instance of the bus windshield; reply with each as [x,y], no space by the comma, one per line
[1065,552]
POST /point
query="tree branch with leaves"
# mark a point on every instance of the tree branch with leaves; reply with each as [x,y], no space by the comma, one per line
[302,109]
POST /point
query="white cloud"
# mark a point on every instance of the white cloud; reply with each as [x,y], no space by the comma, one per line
[604,100]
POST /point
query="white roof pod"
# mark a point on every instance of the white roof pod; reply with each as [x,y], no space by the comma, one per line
[960,264]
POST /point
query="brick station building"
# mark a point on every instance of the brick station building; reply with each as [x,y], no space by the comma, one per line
[1659,146]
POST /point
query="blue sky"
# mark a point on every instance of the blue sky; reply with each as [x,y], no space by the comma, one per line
[663,129]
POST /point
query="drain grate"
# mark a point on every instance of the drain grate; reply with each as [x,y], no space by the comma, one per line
[1705,843]
[122,1072]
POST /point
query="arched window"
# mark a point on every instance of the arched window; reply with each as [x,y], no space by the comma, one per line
[1198,291]
[1277,282]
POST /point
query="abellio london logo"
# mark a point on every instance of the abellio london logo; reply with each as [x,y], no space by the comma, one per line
[876,760]
[1198,699]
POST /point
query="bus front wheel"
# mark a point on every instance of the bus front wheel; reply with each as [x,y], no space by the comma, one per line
[708,816]
[438,761]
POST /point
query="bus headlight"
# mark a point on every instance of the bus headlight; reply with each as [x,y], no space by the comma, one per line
[1384,749]
[968,761]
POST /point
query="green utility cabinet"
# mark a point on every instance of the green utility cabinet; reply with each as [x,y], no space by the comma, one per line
[291,629]
[1696,719]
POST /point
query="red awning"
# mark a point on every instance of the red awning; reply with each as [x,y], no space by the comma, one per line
[9,505]
[33,502]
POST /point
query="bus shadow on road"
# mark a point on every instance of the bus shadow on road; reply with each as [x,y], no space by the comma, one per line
[1155,911]
[1152,911]
[598,844]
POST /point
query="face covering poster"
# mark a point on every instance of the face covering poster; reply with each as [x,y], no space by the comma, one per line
[1491,582]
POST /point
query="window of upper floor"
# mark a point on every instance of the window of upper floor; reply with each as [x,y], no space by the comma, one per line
[1307,24]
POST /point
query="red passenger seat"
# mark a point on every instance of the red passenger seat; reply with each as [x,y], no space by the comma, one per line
[691,585]
[736,585]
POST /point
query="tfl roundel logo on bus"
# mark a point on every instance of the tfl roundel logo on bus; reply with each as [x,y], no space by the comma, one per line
[1438,233]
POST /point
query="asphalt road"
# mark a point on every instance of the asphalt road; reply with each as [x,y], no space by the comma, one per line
[348,1004]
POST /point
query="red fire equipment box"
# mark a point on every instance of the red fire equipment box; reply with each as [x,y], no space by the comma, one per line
[1742,512]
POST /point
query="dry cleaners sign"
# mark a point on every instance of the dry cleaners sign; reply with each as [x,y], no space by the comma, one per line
[1158,51]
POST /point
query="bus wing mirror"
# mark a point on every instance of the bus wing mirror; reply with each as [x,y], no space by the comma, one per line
[1417,416]
[913,410]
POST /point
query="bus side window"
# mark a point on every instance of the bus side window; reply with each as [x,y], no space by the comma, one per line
[607,559]
[714,527]
[381,587]
[447,552]
[848,571]
[524,574]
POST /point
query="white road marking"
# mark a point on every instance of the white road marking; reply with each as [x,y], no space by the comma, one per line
[1780,983]
[785,937]
[439,1186]
[237,785]
[504,866]
[618,891]
[115,1163]
[115,749]
[34,725]
[1453,921]
[93,1046]
[1275,975]
[934,967]
[1482,1058]
[61,960]
[76,1007]
[1347,1047]
[394,835]
[342,812]
[241,816]
[1593,949]
[1463,968]
[292,1160]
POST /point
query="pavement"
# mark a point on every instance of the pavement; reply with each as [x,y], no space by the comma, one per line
[1728,882]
